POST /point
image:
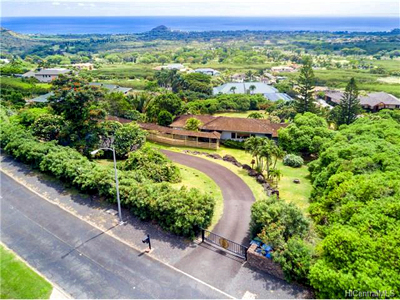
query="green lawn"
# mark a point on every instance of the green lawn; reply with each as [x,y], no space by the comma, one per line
[18,281]
[193,178]
[291,192]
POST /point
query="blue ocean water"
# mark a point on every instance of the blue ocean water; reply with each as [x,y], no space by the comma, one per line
[82,25]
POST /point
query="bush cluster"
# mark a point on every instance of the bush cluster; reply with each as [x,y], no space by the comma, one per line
[292,160]
[356,208]
[233,144]
[180,211]
[283,226]
[152,164]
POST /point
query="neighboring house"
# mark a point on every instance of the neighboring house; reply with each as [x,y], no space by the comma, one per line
[372,102]
[28,74]
[282,69]
[266,90]
[48,75]
[237,129]
[333,97]
[378,101]
[42,98]
[111,87]
[238,77]
[208,71]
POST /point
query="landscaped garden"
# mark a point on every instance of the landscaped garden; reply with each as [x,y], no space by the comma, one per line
[19,281]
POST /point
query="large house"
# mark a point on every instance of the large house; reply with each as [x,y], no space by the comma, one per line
[370,102]
[266,90]
[237,129]
[46,75]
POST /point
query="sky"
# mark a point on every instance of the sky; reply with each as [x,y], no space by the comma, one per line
[331,8]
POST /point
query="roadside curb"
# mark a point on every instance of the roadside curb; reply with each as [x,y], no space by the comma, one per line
[57,292]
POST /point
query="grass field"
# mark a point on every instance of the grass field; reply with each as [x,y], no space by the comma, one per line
[193,178]
[19,281]
[289,191]
[122,71]
[19,84]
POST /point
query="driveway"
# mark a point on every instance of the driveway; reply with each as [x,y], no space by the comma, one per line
[82,260]
[238,198]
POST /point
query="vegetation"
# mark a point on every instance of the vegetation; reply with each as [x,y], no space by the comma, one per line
[305,135]
[292,160]
[305,100]
[193,124]
[19,281]
[349,107]
[354,203]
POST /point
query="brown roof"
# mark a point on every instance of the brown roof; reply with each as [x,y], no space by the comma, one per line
[231,124]
[168,130]
[336,96]
[180,121]
[118,119]
[374,99]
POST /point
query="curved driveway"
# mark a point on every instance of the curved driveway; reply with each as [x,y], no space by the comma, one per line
[238,198]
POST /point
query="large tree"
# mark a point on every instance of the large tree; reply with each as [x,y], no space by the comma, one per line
[306,82]
[349,106]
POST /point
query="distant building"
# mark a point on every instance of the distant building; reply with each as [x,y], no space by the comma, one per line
[282,69]
[48,75]
[266,90]
[175,67]
[238,77]
[378,101]
[111,87]
[333,97]
[237,129]
[208,71]
[372,102]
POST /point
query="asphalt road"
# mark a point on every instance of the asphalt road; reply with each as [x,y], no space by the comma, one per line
[82,260]
[238,198]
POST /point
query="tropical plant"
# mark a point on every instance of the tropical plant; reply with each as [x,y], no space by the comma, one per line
[193,124]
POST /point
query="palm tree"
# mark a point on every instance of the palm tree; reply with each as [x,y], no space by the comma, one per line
[249,75]
[252,88]
[233,89]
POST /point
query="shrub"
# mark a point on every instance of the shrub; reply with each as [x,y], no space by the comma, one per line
[153,165]
[48,127]
[292,160]
[128,137]
[233,144]
[30,115]
[295,260]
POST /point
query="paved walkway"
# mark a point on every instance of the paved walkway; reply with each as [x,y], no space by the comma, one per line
[238,198]
[222,271]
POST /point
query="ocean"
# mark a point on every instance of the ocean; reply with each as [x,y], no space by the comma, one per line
[115,25]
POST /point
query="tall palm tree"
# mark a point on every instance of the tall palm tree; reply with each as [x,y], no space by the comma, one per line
[232,89]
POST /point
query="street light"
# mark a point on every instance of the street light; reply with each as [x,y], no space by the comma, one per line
[116,180]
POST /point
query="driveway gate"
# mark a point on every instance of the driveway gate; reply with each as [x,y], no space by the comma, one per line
[227,245]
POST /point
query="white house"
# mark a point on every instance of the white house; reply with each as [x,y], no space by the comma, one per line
[208,71]
[46,75]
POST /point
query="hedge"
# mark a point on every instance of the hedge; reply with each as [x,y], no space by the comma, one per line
[180,211]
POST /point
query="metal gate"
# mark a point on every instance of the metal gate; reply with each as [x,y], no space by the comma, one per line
[227,245]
